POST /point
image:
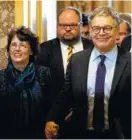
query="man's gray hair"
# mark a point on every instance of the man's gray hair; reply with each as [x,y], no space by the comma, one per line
[70,8]
[105,11]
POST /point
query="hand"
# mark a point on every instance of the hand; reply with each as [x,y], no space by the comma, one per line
[51,130]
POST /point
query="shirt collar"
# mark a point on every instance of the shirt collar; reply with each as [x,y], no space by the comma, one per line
[75,46]
[111,55]
[64,46]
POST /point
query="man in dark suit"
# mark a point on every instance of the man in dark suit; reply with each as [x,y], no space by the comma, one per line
[54,53]
[97,86]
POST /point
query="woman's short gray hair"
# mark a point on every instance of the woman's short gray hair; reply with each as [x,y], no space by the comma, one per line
[105,11]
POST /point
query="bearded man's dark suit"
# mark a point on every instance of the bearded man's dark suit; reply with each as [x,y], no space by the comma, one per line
[50,55]
[74,94]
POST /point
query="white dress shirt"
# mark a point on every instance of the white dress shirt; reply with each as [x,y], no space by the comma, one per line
[64,49]
[110,62]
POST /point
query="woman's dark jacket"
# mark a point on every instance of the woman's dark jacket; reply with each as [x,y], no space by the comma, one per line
[23,102]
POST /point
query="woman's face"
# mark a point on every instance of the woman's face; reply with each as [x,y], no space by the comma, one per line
[19,51]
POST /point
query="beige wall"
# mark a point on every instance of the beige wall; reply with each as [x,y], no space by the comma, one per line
[123,6]
[6,22]
[87,6]
[18,13]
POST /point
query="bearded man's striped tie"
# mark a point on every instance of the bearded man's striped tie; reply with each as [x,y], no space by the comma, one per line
[70,52]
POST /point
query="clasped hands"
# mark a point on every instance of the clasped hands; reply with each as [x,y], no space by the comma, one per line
[51,130]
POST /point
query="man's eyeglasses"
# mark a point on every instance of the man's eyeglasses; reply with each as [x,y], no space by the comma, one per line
[106,29]
[71,26]
[21,45]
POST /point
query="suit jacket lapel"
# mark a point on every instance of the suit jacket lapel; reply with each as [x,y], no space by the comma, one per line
[120,65]
[58,57]
[84,71]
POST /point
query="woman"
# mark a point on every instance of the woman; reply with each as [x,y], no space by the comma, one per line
[23,88]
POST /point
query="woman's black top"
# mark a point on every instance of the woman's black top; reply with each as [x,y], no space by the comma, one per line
[23,101]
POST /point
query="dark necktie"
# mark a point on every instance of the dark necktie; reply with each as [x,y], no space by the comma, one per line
[98,112]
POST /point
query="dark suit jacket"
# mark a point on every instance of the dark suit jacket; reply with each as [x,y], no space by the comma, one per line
[74,95]
[50,55]
[126,44]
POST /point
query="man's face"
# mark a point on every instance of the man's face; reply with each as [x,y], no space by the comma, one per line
[68,29]
[85,31]
[103,33]
[122,33]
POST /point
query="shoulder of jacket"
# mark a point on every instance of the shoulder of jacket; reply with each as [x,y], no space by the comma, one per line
[82,53]
[48,42]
